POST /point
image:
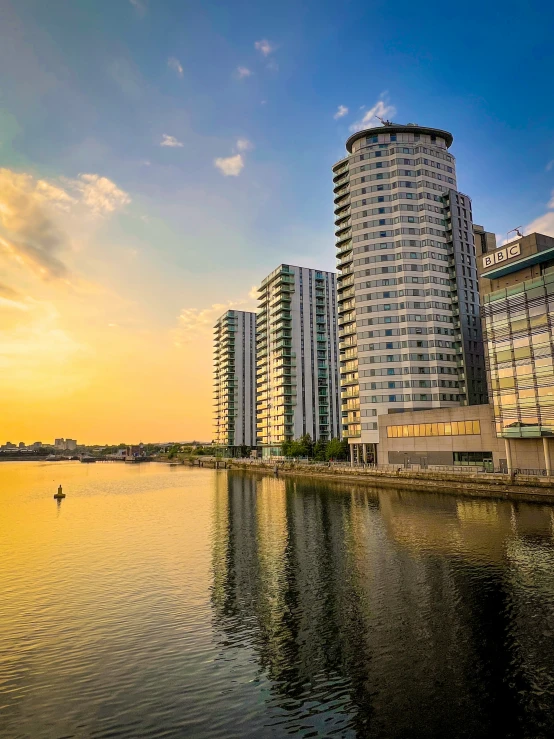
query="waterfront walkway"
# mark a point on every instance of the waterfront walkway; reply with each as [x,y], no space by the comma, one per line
[524,484]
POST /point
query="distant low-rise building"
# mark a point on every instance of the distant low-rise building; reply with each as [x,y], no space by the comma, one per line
[70,444]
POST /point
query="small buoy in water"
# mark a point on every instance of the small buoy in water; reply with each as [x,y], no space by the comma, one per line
[60,494]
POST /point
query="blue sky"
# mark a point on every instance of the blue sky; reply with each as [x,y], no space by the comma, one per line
[95,87]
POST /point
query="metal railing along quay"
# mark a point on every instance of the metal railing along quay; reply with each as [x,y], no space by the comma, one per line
[360,467]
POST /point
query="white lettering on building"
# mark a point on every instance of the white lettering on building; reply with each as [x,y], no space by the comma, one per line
[501,255]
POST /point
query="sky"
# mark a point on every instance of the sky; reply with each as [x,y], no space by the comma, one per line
[158,158]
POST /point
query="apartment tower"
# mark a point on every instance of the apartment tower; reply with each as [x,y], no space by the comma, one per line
[235,380]
[408,302]
[297,357]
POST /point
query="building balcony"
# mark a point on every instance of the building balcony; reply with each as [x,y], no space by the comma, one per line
[345,259]
[345,236]
[342,196]
[343,225]
[346,307]
[338,172]
[345,252]
[344,282]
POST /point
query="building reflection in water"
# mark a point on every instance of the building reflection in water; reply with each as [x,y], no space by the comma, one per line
[385,613]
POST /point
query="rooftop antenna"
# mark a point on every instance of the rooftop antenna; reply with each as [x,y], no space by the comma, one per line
[516,229]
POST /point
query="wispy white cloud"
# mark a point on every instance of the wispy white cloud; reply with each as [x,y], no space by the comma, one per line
[550,165]
[197,322]
[170,141]
[244,145]
[32,213]
[100,194]
[55,195]
[341,112]
[265,47]
[272,66]
[230,166]
[243,72]
[29,233]
[381,108]
[175,64]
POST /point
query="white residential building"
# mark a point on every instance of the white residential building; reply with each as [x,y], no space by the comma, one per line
[297,357]
[408,301]
[235,380]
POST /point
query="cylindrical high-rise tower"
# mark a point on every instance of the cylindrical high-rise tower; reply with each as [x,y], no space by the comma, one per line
[407,299]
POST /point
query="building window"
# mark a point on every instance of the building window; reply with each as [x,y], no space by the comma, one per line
[455,428]
[472,458]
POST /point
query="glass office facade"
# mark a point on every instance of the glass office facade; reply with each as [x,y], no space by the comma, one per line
[519,336]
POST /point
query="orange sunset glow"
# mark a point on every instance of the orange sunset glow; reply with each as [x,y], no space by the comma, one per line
[85,347]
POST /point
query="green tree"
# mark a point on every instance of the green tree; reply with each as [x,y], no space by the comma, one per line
[345,449]
[244,451]
[337,449]
[296,449]
[320,449]
[306,446]
[175,449]
[285,449]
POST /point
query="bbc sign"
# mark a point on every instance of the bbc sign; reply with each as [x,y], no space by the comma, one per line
[501,255]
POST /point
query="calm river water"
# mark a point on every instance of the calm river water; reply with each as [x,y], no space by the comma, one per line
[163,601]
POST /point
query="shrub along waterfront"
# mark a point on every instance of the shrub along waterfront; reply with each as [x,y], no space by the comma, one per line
[320,451]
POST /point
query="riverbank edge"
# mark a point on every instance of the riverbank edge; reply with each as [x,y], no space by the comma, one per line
[481,486]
